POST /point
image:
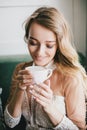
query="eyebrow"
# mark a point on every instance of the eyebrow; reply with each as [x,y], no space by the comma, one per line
[33,38]
[38,40]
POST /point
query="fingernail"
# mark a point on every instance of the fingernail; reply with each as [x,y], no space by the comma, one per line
[30,91]
[31,86]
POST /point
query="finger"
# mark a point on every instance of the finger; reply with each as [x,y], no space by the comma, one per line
[21,77]
[21,86]
[26,81]
[41,91]
[46,86]
[24,72]
[38,96]
[35,95]
[42,103]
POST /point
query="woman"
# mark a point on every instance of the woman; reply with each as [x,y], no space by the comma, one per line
[59,102]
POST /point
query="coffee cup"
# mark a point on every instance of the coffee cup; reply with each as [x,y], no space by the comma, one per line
[40,74]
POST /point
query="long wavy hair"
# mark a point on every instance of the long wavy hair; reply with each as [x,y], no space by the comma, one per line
[66,56]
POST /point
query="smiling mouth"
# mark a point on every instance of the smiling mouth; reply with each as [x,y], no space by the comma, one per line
[39,58]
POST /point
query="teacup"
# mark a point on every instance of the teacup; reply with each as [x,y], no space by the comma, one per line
[40,74]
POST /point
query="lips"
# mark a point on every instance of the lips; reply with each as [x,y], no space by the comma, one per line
[39,58]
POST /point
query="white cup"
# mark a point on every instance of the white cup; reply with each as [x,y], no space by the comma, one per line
[40,74]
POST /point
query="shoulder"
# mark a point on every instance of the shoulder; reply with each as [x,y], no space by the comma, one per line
[71,79]
[73,83]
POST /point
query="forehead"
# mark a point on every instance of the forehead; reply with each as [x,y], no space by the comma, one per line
[41,33]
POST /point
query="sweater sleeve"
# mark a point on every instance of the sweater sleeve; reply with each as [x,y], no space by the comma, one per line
[66,124]
[75,105]
[9,120]
[75,101]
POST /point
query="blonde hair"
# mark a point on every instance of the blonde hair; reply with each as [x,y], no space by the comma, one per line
[66,56]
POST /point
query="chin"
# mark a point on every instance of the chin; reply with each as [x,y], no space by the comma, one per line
[41,63]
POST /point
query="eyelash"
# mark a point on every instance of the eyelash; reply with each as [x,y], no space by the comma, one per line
[32,43]
[49,46]
[36,44]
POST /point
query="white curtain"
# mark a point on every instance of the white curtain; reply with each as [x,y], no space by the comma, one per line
[80,25]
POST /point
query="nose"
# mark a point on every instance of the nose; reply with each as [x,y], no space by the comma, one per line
[41,50]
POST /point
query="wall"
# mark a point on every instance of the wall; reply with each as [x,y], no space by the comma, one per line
[14,12]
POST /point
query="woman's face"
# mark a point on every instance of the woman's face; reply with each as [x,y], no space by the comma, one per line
[41,44]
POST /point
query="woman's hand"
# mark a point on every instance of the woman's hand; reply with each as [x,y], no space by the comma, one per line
[24,78]
[43,94]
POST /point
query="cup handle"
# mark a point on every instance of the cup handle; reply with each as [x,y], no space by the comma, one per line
[49,73]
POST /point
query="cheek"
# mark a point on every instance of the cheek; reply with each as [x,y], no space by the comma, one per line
[32,50]
[53,52]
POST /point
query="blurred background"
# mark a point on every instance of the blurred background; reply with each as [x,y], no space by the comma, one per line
[14,12]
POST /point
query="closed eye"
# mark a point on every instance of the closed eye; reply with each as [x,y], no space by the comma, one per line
[33,43]
[50,46]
